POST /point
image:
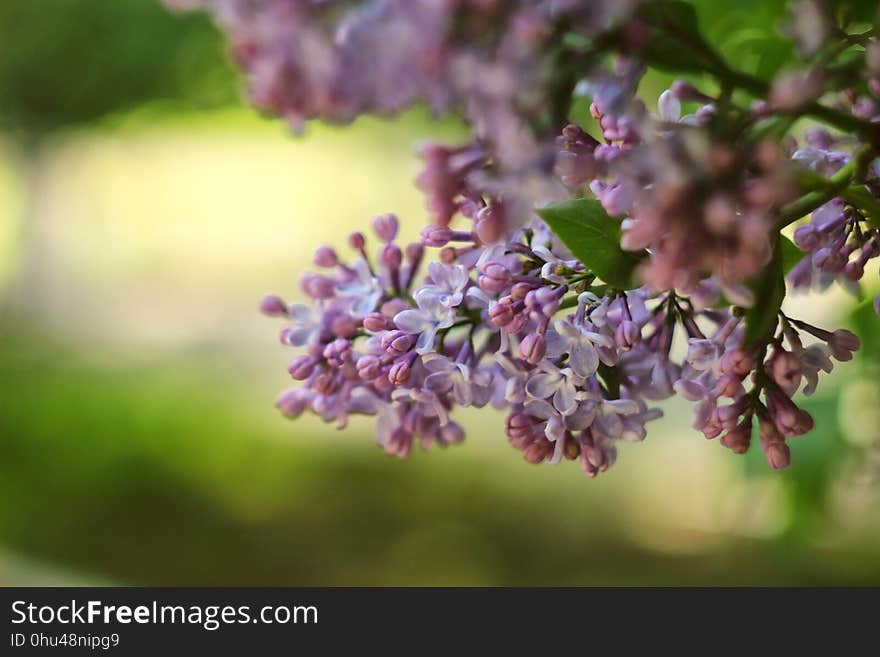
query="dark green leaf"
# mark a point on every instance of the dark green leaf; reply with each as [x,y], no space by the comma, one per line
[611,377]
[769,290]
[663,13]
[594,239]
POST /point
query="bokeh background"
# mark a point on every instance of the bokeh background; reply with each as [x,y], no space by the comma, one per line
[145,208]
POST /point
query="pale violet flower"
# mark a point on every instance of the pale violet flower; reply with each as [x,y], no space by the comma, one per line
[363,291]
[581,341]
[560,384]
[468,387]
[305,325]
[431,316]
[448,283]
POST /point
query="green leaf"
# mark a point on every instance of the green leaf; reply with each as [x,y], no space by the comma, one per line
[662,13]
[611,378]
[769,290]
[594,239]
[791,254]
[675,24]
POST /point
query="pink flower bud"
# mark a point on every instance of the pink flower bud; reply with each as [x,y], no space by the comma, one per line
[519,291]
[368,367]
[317,286]
[376,322]
[385,226]
[778,455]
[537,451]
[356,241]
[399,372]
[737,439]
[301,367]
[729,385]
[494,278]
[325,257]
[501,314]
[490,224]
[396,343]
[344,326]
[532,348]
[436,236]
[627,335]
[737,361]
[520,428]
[392,256]
[786,370]
[337,352]
[273,306]
[292,402]
[326,383]
[414,252]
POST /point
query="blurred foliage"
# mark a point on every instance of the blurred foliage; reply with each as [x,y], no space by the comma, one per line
[65,62]
[153,474]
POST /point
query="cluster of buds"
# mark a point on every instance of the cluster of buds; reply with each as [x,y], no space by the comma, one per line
[507,314]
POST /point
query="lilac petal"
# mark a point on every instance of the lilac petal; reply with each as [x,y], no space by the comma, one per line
[542,385]
[461,389]
[556,344]
[690,390]
[300,313]
[583,359]
[438,382]
[622,406]
[425,343]
[411,321]
[436,363]
[564,400]
[540,409]
[582,417]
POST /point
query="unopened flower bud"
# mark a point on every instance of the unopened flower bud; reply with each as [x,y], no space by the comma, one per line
[501,314]
[301,367]
[494,278]
[436,236]
[778,455]
[396,343]
[368,367]
[537,451]
[627,335]
[490,223]
[376,322]
[325,256]
[317,286]
[392,256]
[273,306]
[385,226]
[292,402]
[737,439]
[532,348]
[400,371]
[338,352]
[357,241]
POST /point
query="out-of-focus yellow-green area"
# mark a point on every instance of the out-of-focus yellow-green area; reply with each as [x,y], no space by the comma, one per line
[138,441]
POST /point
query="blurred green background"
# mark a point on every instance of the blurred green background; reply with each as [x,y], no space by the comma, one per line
[144,209]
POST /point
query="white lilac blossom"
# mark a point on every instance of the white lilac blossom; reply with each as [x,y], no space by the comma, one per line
[574,334]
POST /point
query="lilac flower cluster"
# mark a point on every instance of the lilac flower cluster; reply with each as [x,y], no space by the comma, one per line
[514,312]
[501,325]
